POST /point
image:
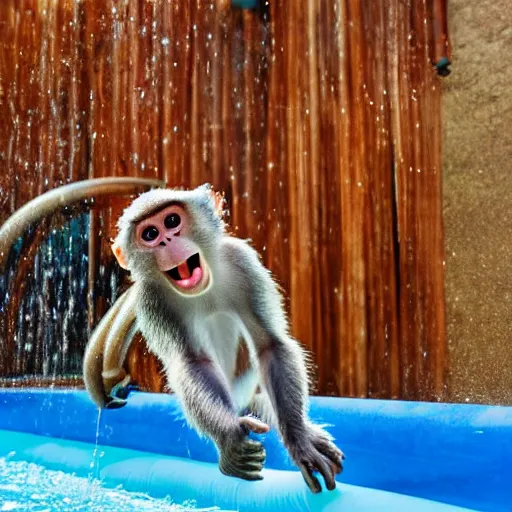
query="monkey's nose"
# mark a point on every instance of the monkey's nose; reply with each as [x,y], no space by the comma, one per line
[168,239]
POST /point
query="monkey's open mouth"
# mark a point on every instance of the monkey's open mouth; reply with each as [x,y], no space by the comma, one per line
[189,274]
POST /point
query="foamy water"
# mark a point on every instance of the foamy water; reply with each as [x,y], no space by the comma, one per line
[29,487]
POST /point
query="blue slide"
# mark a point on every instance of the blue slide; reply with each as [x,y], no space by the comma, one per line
[406,456]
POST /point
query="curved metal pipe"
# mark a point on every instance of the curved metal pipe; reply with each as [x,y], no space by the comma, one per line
[50,201]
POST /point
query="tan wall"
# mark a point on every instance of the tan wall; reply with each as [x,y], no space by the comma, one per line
[477,113]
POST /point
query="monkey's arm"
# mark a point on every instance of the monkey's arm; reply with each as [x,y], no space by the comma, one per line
[203,393]
[283,372]
[284,379]
[201,389]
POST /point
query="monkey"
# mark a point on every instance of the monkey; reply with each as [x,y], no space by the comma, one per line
[197,290]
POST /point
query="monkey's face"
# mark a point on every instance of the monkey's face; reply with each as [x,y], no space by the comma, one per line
[168,235]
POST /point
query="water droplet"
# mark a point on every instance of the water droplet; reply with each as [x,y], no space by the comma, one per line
[165,41]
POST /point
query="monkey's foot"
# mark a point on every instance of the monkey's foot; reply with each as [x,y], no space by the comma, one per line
[244,458]
[119,393]
[317,453]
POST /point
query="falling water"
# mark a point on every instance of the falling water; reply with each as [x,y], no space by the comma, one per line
[95,463]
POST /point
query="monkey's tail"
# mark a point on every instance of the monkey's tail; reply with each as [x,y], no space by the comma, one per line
[59,197]
[106,336]
[117,343]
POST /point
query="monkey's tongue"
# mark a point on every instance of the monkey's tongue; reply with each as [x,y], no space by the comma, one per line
[183,270]
[188,280]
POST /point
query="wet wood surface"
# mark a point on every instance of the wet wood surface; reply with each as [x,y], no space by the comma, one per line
[319,120]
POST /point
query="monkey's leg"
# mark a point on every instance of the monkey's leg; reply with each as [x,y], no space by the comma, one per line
[93,357]
[116,382]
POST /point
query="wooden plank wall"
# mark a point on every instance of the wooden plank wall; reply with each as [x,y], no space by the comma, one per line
[319,120]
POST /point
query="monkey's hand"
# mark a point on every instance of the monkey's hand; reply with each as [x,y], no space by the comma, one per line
[240,456]
[315,451]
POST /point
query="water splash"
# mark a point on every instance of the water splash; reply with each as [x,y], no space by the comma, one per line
[29,487]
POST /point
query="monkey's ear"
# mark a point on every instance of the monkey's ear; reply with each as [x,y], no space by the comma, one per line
[205,188]
[118,253]
[220,202]
[218,199]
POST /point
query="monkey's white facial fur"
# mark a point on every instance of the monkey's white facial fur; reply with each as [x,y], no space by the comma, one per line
[167,235]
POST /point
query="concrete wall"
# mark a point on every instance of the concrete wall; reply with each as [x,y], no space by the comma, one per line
[477,113]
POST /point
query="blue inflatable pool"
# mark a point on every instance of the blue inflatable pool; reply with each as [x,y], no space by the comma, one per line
[400,455]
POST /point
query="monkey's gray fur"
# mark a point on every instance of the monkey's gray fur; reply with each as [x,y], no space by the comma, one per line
[196,338]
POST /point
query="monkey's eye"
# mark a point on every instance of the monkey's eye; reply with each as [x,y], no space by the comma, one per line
[150,234]
[172,221]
